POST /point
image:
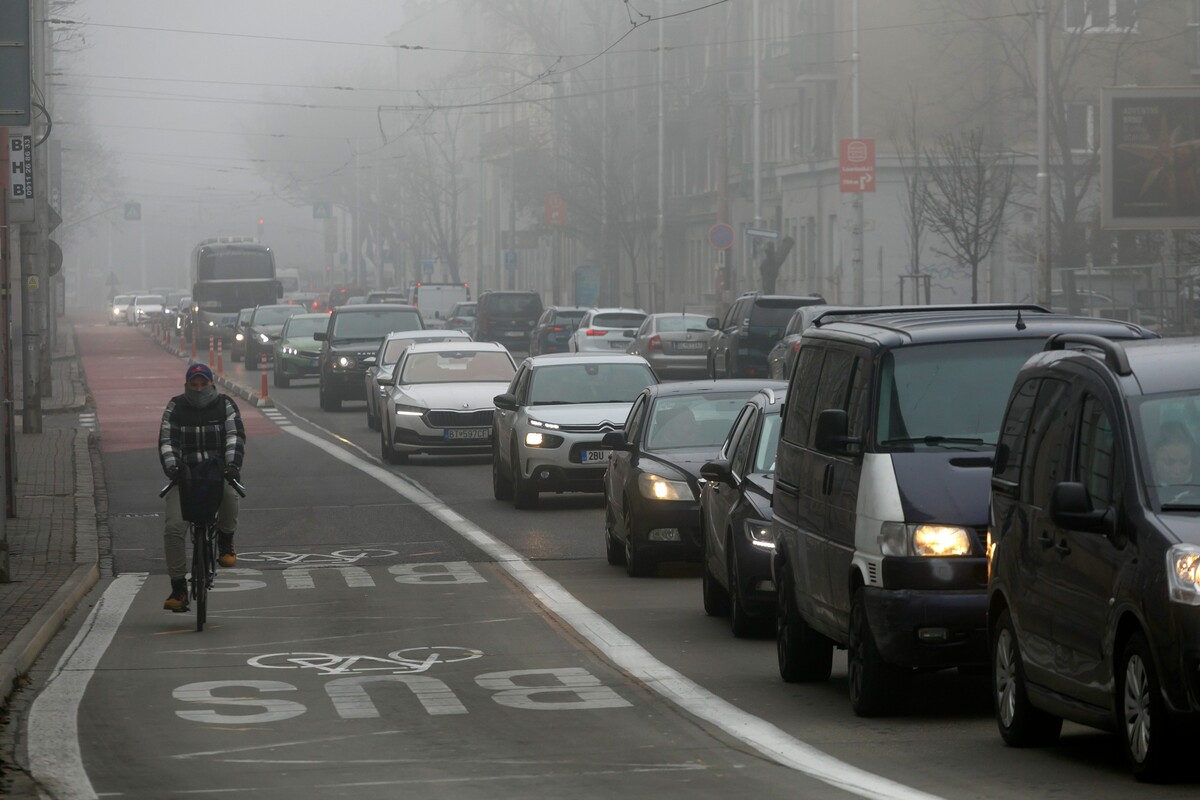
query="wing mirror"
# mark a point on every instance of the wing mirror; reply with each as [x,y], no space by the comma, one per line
[615,440]
[506,401]
[1071,507]
[832,435]
[320,336]
[713,323]
[717,471]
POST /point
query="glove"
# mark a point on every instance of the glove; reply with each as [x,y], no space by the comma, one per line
[172,474]
[232,473]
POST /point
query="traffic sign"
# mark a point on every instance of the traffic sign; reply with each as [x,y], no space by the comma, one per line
[427,267]
[510,259]
[857,165]
[555,209]
[762,233]
[323,210]
[720,236]
[133,210]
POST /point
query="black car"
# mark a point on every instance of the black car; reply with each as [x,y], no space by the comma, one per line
[652,483]
[261,330]
[507,318]
[1094,543]
[735,517]
[750,328]
[554,328]
[782,357]
[349,344]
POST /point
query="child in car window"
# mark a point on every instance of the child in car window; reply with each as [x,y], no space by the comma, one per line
[1172,455]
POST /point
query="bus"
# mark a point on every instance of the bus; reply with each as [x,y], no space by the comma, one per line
[229,273]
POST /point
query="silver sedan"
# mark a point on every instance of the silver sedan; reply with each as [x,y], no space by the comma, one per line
[676,345]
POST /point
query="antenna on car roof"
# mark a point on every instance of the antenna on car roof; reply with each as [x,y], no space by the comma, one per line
[1020,322]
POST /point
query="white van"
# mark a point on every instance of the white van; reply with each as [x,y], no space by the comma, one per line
[434,300]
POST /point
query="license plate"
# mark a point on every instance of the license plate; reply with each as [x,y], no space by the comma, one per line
[618,345]
[312,362]
[592,456]
[514,333]
[467,433]
[689,345]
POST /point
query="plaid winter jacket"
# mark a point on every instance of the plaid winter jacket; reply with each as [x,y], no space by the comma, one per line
[191,435]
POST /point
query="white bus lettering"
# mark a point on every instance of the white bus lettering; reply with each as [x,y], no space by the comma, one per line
[573,682]
[351,700]
[300,577]
[437,572]
[273,710]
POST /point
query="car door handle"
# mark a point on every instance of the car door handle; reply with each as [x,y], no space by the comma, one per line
[827,480]
[1063,548]
[1046,541]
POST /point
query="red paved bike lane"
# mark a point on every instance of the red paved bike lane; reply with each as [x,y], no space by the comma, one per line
[131,379]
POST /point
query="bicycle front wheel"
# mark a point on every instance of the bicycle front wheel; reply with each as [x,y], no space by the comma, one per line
[200,573]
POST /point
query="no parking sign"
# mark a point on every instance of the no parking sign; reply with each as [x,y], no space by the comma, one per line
[720,236]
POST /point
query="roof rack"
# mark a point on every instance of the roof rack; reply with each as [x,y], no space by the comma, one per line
[871,310]
[772,399]
[1114,354]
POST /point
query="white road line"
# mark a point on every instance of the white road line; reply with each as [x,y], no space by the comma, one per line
[54,758]
[772,742]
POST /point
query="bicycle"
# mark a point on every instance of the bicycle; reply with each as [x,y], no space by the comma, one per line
[200,491]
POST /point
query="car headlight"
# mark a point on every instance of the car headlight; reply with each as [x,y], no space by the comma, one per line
[344,362]
[899,539]
[759,534]
[211,324]
[262,337]
[654,487]
[409,411]
[116,312]
[1183,574]
[239,337]
[542,440]
[537,423]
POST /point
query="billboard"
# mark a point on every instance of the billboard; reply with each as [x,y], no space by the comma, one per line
[1150,165]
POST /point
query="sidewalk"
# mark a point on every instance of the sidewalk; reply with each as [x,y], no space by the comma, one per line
[53,541]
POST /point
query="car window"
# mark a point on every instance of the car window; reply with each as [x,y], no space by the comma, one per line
[514,305]
[682,322]
[296,327]
[1011,452]
[245,315]
[151,299]
[372,324]
[520,386]
[1097,465]
[613,320]
[768,444]
[456,366]
[740,462]
[394,348]
[773,313]
[545,318]
[569,317]
[681,421]
[276,315]
[802,393]
[566,384]
[1049,431]
[833,390]
[633,423]
[731,441]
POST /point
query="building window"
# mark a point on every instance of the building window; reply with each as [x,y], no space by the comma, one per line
[1081,127]
[1100,16]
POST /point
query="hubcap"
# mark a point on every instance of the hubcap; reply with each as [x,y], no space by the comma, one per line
[1136,705]
[1005,680]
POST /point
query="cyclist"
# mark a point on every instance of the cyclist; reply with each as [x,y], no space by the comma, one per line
[199,425]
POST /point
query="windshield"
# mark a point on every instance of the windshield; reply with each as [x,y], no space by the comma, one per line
[231,263]
[457,366]
[122,300]
[305,326]
[700,420]
[1168,430]
[568,384]
[683,322]
[396,347]
[768,444]
[950,394]
[772,315]
[463,310]
[514,305]
[276,315]
[617,320]
[375,324]
[151,300]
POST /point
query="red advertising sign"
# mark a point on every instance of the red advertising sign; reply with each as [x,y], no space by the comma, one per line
[555,208]
[858,165]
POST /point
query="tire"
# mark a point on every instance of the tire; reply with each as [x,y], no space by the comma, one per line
[637,563]
[875,685]
[741,622]
[524,494]
[804,655]
[613,548]
[1148,738]
[200,566]
[501,483]
[328,401]
[281,377]
[1020,723]
[372,422]
[385,448]
[716,599]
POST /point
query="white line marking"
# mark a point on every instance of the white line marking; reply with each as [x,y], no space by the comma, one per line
[627,654]
[54,757]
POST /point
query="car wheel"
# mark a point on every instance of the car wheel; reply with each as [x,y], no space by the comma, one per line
[804,655]
[1148,738]
[716,599]
[1020,723]
[613,549]
[524,494]
[281,377]
[637,563]
[372,421]
[385,447]
[875,685]
[501,483]
[329,401]
[740,621]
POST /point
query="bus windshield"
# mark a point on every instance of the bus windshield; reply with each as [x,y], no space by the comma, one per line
[234,263]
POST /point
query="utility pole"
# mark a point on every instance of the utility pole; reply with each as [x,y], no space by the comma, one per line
[661,268]
[856,248]
[1043,173]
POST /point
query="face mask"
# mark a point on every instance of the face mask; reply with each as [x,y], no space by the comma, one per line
[201,398]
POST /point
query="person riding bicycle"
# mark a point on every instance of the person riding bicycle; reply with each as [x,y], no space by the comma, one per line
[199,425]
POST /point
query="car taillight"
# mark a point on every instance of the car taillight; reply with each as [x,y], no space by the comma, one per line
[595,332]
[655,342]
[795,347]
[557,329]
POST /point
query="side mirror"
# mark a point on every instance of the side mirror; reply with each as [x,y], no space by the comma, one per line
[506,401]
[832,435]
[615,440]
[717,471]
[713,323]
[1070,507]
[320,336]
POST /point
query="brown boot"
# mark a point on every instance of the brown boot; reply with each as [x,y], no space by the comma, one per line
[177,601]
[226,555]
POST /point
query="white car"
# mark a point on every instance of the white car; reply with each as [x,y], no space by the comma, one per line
[378,376]
[549,423]
[145,308]
[119,304]
[441,400]
[607,330]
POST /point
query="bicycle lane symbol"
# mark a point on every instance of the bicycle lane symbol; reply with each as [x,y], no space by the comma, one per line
[409,660]
[336,558]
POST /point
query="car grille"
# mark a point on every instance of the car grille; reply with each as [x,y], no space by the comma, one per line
[459,419]
[602,427]
[309,353]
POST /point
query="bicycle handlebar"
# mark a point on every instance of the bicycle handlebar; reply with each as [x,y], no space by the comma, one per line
[237,487]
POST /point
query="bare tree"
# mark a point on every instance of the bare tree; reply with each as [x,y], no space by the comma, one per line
[966,197]
[912,170]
